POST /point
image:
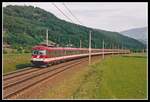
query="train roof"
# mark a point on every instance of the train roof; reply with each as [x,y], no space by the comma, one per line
[41,47]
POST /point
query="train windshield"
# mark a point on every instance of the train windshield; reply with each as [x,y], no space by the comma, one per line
[39,52]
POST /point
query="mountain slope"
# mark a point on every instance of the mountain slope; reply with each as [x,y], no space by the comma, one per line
[26,26]
[140,34]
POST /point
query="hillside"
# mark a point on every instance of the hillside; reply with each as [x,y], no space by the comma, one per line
[26,26]
[140,34]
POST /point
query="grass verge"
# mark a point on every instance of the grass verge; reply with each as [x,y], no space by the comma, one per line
[12,62]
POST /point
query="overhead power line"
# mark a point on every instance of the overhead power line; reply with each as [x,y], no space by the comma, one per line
[72,13]
[62,12]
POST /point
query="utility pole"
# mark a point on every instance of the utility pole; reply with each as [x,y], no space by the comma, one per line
[118,49]
[112,49]
[47,36]
[80,42]
[103,49]
[122,49]
[68,42]
[90,48]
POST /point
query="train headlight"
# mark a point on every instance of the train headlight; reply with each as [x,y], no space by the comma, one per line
[38,59]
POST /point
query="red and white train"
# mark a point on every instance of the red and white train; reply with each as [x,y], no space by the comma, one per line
[45,55]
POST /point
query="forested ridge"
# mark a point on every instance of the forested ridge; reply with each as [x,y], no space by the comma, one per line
[26,26]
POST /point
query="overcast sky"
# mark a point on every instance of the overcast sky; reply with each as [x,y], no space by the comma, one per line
[110,16]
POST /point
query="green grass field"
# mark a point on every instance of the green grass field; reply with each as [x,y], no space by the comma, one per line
[12,62]
[117,77]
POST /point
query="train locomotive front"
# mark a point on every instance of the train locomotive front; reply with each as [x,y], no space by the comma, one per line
[39,55]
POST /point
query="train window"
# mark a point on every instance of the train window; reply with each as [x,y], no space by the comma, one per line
[65,53]
[47,53]
[42,52]
[52,53]
[39,52]
[35,52]
[57,53]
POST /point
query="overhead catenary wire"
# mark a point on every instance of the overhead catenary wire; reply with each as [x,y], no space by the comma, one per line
[67,8]
[62,12]
[72,13]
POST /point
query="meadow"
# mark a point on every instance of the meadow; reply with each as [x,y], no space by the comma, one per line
[12,62]
[118,77]
[115,77]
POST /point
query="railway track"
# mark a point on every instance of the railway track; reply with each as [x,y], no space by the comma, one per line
[18,82]
[18,73]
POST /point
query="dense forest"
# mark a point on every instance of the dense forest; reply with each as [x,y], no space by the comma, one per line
[25,26]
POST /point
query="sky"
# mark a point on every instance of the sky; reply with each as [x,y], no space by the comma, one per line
[111,16]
